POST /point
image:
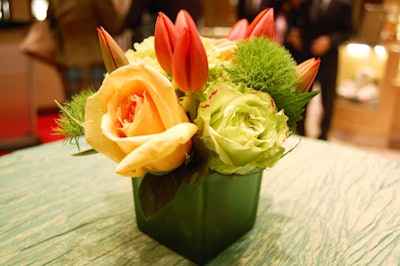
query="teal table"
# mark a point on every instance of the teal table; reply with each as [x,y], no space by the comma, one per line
[323,204]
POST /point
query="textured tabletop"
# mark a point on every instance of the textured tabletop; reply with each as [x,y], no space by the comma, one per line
[322,204]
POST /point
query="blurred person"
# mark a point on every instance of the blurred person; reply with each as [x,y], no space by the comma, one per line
[249,9]
[296,22]
[78,53]
[142,15]
[316,28]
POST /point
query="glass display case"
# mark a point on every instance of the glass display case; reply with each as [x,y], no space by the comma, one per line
[361,72]
[368,93]
[368,102]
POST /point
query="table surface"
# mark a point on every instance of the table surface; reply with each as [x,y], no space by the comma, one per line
[322,204]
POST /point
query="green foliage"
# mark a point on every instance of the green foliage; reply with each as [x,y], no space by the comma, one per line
[264,65]
[156,192]
[72,116]
[293,103]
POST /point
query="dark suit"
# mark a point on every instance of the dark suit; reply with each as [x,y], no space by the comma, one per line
[335,21]
[244,12]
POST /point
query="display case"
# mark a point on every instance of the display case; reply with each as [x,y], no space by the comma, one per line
[367,108]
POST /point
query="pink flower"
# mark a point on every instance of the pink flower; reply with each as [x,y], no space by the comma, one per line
[238,30]
[189,62]
[306,72]
[165,37]
[262,25]
[113,56]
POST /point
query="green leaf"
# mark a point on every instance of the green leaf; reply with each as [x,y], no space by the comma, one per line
[293,103]
[87,152]
[197,167]
[156,191]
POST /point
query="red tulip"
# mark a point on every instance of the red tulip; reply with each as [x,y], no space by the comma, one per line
[306,73]
[189,62]
[113,56]
[238,30]
[165,37]
[262,25]
[184,20]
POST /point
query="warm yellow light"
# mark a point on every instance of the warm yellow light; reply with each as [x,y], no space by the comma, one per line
[358,50]
[380,51]
[39,9]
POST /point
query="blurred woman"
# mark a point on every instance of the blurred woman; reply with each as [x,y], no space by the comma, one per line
[78,53]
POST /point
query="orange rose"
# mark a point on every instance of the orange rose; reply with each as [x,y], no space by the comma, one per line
[135,119]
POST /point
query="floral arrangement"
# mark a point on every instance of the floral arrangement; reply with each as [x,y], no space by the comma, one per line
[179,104]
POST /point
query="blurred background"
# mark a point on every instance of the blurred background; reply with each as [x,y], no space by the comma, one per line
[366,113]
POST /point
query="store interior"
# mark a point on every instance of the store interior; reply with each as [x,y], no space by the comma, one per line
[367,108]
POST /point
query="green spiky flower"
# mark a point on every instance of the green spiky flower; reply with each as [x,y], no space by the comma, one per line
[263,64]
[72,116]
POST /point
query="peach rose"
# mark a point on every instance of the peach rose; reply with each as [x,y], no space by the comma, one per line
[135,119]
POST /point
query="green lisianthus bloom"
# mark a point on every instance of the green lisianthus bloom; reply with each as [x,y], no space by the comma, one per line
[243,128]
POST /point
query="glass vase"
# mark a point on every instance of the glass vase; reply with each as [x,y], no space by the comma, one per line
[204,219]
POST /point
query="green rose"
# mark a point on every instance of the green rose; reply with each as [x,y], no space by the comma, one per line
[243,129]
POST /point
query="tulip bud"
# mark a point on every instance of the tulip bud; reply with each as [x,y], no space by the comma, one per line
[262,25]
[306,73]
[189,62]
[113,56]
[238,30]
[184,20]
[165,37]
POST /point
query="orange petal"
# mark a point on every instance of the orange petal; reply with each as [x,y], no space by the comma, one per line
[113,56]
[262,25]
[184,20]
[306,73]
[238,30]
[189,62]
[165,37]
[163,152]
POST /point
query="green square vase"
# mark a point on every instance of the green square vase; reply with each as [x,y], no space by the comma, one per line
[205,218]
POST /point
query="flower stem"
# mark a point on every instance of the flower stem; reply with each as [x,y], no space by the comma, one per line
[192,105]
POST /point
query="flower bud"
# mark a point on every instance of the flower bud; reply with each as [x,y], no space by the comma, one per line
[189,62]
[113,56]
[165,37]
[262,25]
[238,30]
[306,73]
[184,20]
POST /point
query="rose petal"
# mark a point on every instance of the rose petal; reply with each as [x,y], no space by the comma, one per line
[99,135]
[157,150]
